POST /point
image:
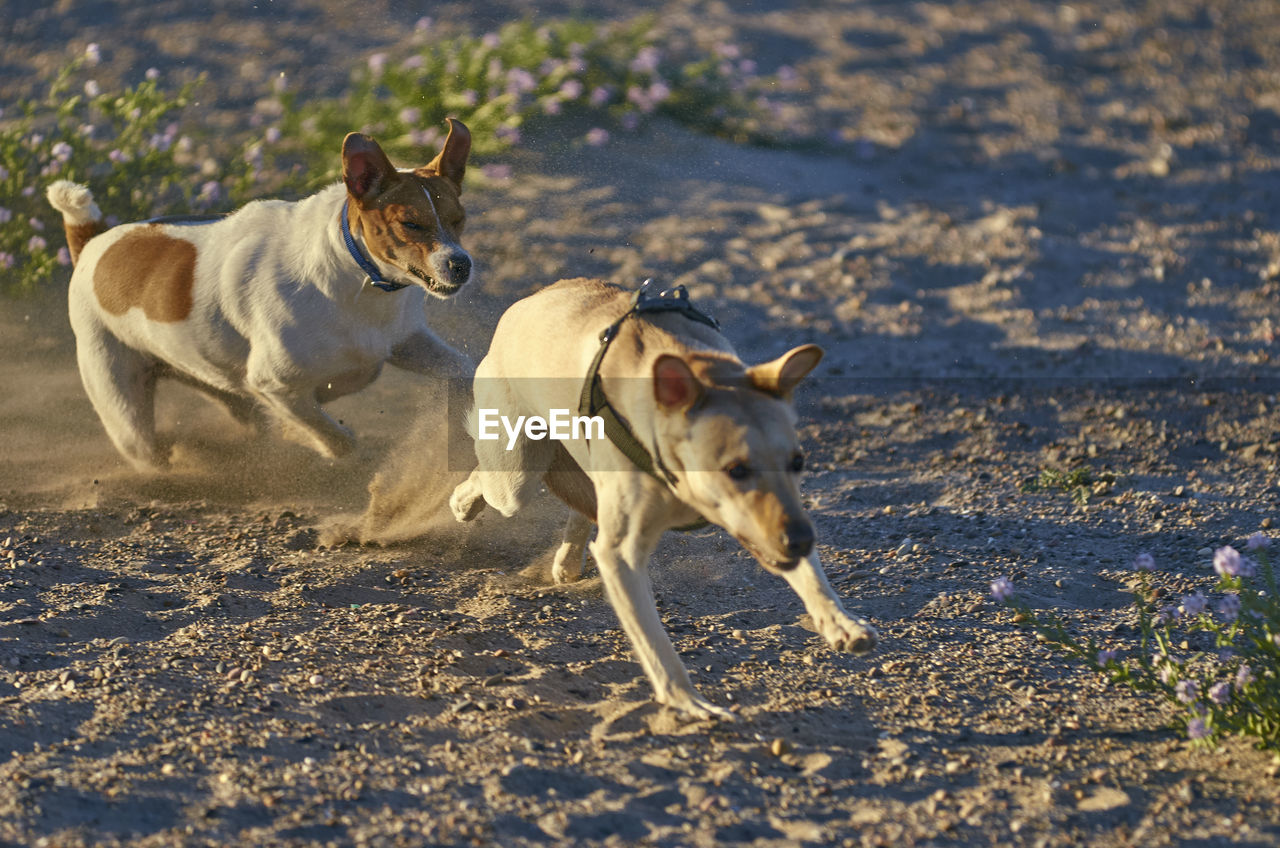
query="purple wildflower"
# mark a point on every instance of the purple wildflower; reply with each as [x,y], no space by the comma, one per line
[520,80]
[118,156]
[646,60]
[4,173]
[211,191]
[377,64]
[1166,673]
[1002,589]
[36,224]
[92,89]
[1244,676]
[414,62]
[469,97]
[747,66]
[497,173]
[93,53]
[6,215]
[273,135]
[511,135]
[551,106]
[424,138]
[1194,604]
[6,260]
[61,151]
[410,115]
[597,136]
[659,91]
[152,74]
[64,256]
[1229,607]
[1220,693]
[36,244]
[1227,562]
[1185,691]
[1257,540]
[1197,729]
[571,90]
[1107,656]
[600,96]
[1144,562]
[491,40]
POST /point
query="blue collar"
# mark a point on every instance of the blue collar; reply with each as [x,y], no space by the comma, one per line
[374,275]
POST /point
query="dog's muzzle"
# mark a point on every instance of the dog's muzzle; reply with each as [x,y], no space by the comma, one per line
[451,273]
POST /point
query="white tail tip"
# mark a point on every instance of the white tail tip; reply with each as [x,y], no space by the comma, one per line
[74,201]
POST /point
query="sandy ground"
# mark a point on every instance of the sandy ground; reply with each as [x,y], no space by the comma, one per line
[1029,235]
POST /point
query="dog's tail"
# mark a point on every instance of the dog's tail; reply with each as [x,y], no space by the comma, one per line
[81,217]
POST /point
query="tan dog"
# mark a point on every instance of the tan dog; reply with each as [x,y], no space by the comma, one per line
[709,438]
[278,306]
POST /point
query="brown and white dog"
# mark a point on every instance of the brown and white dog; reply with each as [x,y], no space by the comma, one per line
[280,305]
[718,438]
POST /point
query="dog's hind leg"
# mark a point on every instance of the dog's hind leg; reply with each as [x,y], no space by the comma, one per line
[121,385]
[833,623]
[570,556]
[567,481]
[243,409]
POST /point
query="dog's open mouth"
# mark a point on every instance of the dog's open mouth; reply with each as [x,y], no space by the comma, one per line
[432,284]
[765,560]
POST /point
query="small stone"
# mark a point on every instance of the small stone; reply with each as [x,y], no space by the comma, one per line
[779,747]
[316,680]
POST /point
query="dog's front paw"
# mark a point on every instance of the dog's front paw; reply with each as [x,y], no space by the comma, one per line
[855,635]
[694,707]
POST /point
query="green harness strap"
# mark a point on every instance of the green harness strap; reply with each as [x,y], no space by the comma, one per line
[593,401]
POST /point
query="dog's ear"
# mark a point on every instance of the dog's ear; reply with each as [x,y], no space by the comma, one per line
[451,161]
[783,374]
[365,168]
[674,386]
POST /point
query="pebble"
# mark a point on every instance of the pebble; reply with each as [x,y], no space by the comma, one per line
[316,680]
[779,747]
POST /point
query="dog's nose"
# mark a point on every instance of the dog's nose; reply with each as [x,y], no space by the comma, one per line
[459,265]
[798,538]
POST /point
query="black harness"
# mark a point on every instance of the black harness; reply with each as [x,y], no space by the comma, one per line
[593,401]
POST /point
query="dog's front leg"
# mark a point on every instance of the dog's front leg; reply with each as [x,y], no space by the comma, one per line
[424,353]
[833,623]
[623,565]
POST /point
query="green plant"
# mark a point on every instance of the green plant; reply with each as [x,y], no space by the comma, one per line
[1229,686]
[124,144]
[500,82]
[1080,483]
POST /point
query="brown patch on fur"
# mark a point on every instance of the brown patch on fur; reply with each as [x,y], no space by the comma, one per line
[149,270]
[78,236]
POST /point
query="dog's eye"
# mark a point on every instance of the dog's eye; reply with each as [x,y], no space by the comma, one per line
[797,463]
[413,226]
[738,471]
